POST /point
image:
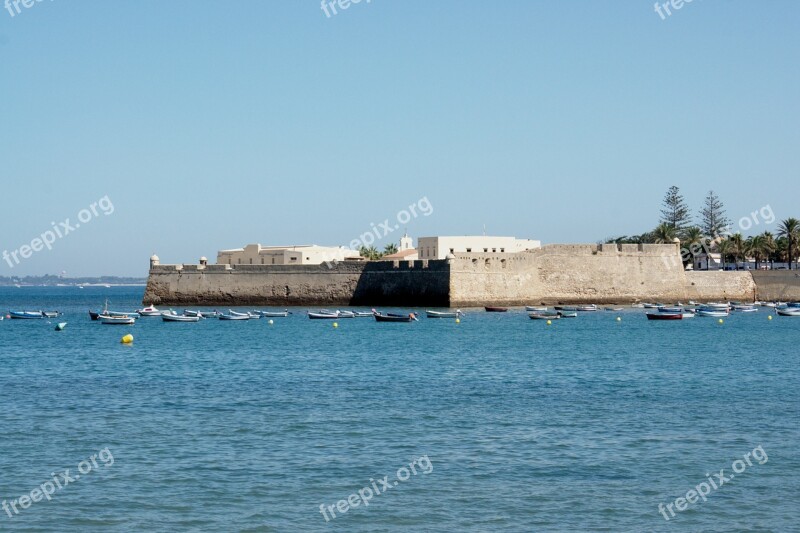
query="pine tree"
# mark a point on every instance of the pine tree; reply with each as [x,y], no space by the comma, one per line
[675,212]
[714,222]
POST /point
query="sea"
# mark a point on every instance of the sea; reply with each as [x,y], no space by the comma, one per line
[605,422]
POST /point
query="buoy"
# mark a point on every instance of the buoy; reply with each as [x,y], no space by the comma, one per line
[271,322]
[458,321]
[549,322]
[721,321]
[619,319]
[336,324]
[60,326]
[127,339]
[769,317]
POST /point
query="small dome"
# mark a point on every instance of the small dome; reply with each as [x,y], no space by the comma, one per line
[154,257]
[204,258]
[676,240]
[450,256]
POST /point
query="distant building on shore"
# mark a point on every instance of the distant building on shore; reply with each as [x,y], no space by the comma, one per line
[406,252]
[309,254]
[441,247]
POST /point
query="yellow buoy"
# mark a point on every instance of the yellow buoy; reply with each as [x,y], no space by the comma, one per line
[458,321]
[619,319]
[721,321]
[336,324]
[549,322]
[127,339]
[271,322]
[769,317]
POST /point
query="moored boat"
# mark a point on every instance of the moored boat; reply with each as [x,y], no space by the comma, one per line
[172,317]
[26,315]
[275,314]
[444,314]
[346,314]
[789,311]
[394,317]
[491,309]
[664,316]
[237,316]
[148,311]
[568,314]
[670,309]
[535,309]
[544,316]
[584,308]
[323,314]
[713,313]
[117,320]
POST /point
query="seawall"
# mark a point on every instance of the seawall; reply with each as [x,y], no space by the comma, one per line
[606,273]
[384,282]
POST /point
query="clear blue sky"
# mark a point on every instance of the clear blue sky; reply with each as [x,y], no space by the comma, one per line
[214,124]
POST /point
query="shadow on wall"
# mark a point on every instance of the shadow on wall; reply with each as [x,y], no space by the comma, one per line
[404,283]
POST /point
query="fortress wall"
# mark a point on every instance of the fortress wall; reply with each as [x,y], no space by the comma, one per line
[777,285]
[716,285]
[373,283]
[569,274]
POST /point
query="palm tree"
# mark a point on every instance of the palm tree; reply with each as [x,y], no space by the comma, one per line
[769,246]
[790,228]
[759,247]
[725,249]
[370,253]
[665,234]
[737,247]
[693,237]
[390,249]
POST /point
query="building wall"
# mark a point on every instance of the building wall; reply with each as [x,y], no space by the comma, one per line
[255,254]
[440,247]
[777,285]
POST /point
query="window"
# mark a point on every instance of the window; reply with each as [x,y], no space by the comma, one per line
[485,250]
[494,250]
[251,260]
[502,250]
[292,259]
[239,261]
[469,250]
[262,260]
[451,250]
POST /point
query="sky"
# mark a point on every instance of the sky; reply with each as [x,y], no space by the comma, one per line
[203,125]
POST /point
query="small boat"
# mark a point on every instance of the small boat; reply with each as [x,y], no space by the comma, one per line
[148,311]
[789,311]
[534,309]
[275,314]
[744,308]
[584,308]
[688,314]
[93,315]
[637,306]
[26,315]
[670,309]
[496,309]
[362,314]
[117,320]
[793,304]
[716,306]
[394,317]
[60,326]
[52,314]
[664,316]
[346,314]
[649,306]
[444,314]
[237,316]
[201,314]
[565,308]
[713,313]
[568,314]
[172,317]
[324,314]
[613,308]
[544,316]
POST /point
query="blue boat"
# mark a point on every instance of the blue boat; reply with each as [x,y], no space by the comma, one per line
[26,315]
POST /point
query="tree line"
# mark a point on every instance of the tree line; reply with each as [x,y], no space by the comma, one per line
[713,233]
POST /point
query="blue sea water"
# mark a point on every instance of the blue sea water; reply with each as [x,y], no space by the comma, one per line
[587,424]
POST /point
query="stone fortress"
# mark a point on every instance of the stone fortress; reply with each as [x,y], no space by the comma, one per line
[503,271]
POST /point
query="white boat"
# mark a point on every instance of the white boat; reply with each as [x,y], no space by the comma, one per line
[789,311]
[711,313]
[535,309]
[744,308]
[323,314]
[148,311]
[237,316]
[117,320]
[688,314]
[717,306]
[362,314]
[275,314]
[590,307]
[202,314]
[649,305]
[444,314]
[346,314]
[172,317]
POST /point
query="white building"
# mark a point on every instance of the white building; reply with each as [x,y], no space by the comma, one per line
[440,247]
[310,254]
